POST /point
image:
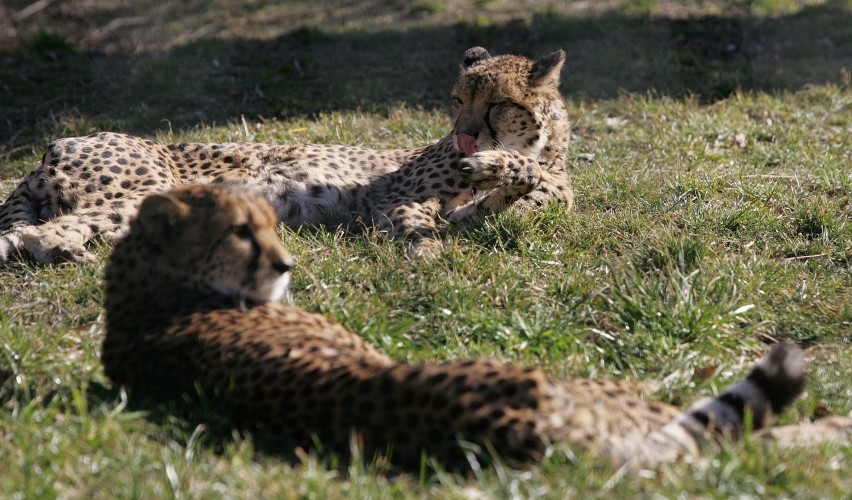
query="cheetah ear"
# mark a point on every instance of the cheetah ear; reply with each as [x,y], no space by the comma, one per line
[473,56]
[158,216]
[546,70]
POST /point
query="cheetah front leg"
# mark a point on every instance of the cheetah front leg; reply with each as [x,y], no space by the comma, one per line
[550,188]
[500,177]
[61,240]
[508,180]
[509,171]
[414,221]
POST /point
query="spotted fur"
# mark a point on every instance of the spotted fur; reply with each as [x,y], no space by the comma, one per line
[191,310]
[88,187]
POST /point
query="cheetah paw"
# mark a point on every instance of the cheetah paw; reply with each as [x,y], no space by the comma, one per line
[424,249]
[484,169]
[493,169]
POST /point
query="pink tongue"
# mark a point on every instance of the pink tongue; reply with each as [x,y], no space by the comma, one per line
[465,143]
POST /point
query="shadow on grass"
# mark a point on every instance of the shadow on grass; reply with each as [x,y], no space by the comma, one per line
[196,424]
[71,83]
[189,425]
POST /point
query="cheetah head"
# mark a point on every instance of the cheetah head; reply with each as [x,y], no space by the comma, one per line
[217,240]
[506,102]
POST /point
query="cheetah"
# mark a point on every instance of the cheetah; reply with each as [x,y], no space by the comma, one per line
[191,312]
[507,149]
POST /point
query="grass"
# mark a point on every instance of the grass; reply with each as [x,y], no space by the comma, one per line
[713,215]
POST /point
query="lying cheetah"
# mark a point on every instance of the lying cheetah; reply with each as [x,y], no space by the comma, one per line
[507,148]
[190,308]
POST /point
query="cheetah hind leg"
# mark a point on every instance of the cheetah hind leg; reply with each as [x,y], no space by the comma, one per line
[64,238]
[16,213]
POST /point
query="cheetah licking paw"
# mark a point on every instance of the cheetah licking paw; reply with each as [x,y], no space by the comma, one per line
[487,170]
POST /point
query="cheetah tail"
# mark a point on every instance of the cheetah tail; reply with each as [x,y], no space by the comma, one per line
[774,382]
[17,212]
[771,386]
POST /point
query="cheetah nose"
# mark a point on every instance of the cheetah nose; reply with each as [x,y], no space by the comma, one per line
[282,266]
[464,143]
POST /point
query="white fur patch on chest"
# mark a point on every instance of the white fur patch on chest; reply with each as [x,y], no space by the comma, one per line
[535,150]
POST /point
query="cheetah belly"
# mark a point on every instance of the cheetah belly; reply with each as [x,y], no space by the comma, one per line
[323,184]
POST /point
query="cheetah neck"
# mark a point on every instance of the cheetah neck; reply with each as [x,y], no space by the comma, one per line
[151,311]
[141,299]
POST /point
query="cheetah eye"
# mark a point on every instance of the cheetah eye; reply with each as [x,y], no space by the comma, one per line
[242,231]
